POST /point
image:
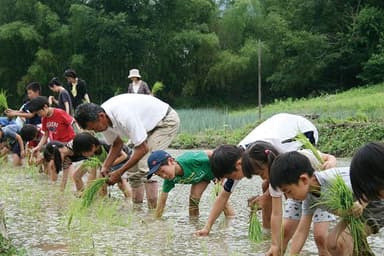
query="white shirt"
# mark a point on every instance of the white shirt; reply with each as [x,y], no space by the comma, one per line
[133,116]
[275,130]
[279,128]
[136,86]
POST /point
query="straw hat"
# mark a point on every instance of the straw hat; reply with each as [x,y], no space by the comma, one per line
[134,73]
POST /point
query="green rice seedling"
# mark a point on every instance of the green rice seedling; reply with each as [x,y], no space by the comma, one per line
[3,100]
[339,199]
[255,230]
[216,189]
[308,145]
[157,87]
[88,196]
[92,162]
[90,192]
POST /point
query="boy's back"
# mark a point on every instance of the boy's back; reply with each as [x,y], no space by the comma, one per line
[196,168]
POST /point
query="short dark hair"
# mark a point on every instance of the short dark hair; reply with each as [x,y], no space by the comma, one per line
[261,151]
[223,160]
[87,112]
[287,168]
[38,103]
[28,132]
[34,86]
[70,73]
[367,172]
[52,152]
[54,81]
[83,142]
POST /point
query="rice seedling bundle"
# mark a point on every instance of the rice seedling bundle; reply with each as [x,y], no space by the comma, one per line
[339,199]
[3,100]
[92,162]
[308,145]
[157,87]
[255,230]
[90,192]
[88,196]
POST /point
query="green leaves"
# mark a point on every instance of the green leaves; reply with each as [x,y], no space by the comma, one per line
[3,100]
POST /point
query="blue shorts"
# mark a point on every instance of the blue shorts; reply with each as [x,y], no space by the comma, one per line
[117,166]
[15,148]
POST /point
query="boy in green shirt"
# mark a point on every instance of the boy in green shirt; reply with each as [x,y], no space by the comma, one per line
[189,168]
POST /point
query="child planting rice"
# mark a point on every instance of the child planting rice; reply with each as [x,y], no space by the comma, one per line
[189,168]
[256,160]
[367,172]
[10,135]
[56,126]
[87,145]
[59,156]
[293,174]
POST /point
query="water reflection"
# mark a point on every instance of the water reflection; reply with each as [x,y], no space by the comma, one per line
[37,217]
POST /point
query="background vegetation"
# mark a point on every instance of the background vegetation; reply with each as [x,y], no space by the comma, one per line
[345,121]
[205,52]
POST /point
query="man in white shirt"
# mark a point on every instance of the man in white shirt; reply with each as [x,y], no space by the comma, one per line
[148,122]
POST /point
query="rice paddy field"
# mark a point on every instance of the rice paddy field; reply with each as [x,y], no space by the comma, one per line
[37,215]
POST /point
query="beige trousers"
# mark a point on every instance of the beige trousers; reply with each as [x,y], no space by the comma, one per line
[159,138]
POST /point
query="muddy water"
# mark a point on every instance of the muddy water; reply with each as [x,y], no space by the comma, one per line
[37,216]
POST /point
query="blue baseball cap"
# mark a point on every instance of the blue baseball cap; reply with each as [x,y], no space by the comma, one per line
[155,160]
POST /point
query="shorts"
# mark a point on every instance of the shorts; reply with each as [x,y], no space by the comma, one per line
[118,166]
[373,215]
[15,148]
[292,211]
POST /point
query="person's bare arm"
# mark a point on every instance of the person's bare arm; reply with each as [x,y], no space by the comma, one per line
[276,230]
[161,204]
[43,140]
[67,109]
[120,158]
[301,234]
[21,145]
[329,161]
[217,208]
[13,113]
[138,153]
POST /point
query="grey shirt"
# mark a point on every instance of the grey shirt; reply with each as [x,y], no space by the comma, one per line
[325,179]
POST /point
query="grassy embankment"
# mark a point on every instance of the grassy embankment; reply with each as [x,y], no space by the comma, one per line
[345,121]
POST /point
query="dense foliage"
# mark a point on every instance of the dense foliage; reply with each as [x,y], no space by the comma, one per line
[205,52]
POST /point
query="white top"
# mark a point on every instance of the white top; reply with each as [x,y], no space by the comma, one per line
[275,130]
[279,128]
[133,116]
[136,86]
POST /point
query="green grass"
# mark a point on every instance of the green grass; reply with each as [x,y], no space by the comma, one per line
[359,103]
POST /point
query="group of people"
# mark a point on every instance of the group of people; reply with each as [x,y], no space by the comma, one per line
[292,177]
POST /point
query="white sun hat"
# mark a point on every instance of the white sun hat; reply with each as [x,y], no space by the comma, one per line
[134,73]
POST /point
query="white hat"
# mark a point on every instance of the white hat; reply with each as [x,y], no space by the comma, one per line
[134,73]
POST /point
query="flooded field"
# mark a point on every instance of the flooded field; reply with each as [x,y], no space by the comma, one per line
[37,217]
